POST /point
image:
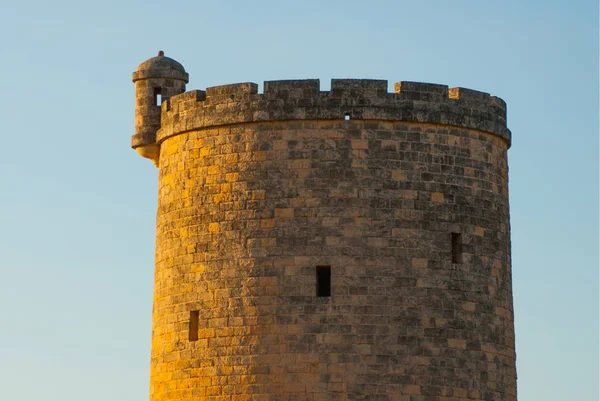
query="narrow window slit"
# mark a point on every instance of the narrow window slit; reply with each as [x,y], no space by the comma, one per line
[457,248]
[323,281]
[157,96]
[193,329]
[347,116]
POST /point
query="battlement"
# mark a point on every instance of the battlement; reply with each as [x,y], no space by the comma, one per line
[361,99]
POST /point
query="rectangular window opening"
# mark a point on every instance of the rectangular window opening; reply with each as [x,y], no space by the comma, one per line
[323,281]
[457,248]
[193,329]
[157,96]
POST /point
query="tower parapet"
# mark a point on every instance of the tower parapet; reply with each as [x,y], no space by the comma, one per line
[362,99]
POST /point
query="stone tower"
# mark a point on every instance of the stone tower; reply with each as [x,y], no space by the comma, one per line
[346,245]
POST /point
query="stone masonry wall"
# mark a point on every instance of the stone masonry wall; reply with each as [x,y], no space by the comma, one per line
[250,206]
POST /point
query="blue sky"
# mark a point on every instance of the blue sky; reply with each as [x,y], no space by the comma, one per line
[77,205]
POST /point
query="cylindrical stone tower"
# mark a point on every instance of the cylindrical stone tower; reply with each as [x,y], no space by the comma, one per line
[344,245]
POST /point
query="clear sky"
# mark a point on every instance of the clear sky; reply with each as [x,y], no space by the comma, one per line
[77,205]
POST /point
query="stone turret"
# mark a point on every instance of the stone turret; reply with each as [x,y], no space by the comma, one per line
[156,80]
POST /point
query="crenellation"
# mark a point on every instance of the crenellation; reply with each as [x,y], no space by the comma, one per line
[497,102]
[292,89]
[234,90]
[363,99]
[469,96]
[425,87]
[421,91]
[192,95]
[358,88]
[499,107]
[165,105]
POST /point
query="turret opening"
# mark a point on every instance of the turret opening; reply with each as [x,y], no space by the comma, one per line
[193,325]
[323,281]
[457,248]
[157,96]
